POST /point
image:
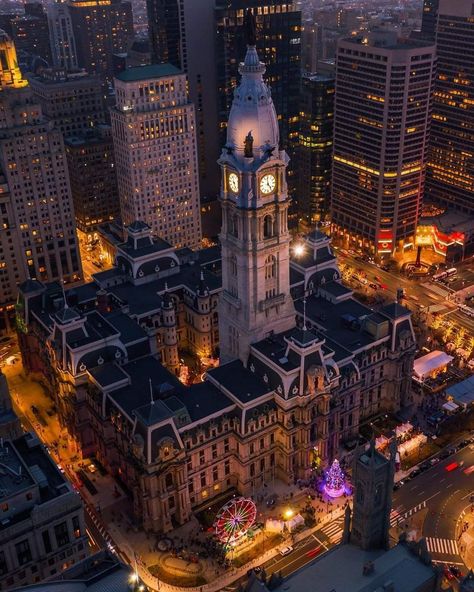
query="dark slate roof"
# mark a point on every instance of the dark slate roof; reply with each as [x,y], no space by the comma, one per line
[129,329]
[302,337]
[107,274]
[295,276]
[274,348]
[239,381]
[86,292]
[335,288]
[333,318]
[148,72]
[30,286]
[152,413]
[137,394]
[108,374]
[146,248]
[395,310]
[137,226]
[204,399]
[141,299]
[66,315]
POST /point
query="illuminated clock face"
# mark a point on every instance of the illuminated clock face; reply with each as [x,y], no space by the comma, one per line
[267,184]
[233,182]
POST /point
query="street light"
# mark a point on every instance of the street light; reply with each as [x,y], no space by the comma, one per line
[289,513]
[298,249]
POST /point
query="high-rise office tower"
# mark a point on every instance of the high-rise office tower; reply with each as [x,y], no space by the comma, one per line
[315,143]
[73,101]
[450,171]
[91,165]
[37,230]
[311,45]
[63,44]
[206,39]
[154,134]
[101,28]
[279,43]
[429,18]
[381,126]
[31,33]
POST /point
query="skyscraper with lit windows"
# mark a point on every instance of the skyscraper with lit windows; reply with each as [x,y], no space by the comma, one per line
[37,230]
[382,119]
[101,28]
[315,143]
[206,40]
[450,171]
[154,135]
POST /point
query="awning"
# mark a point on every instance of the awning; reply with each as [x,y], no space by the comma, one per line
[450,407]
[425,365]
[462,392]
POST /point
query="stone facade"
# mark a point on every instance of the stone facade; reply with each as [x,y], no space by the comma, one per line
[42,530]
[307,362]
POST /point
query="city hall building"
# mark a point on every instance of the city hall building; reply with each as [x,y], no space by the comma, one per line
[302,361]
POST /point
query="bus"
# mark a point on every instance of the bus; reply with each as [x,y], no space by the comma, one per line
[445,274]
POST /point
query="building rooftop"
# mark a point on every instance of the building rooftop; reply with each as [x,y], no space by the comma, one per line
[148,72]
[398,565]
[101,572]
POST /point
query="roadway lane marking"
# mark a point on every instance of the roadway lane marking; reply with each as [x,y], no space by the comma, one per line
[333,531]
[414,487]
[420,493]
[448,486]
[447,562]
[432,496]
[441,481]
[320,542]
[443,546]
[468,495]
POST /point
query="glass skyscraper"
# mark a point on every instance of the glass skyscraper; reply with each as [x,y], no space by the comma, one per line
[450,172]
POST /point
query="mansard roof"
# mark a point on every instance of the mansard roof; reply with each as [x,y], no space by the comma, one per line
[239,381]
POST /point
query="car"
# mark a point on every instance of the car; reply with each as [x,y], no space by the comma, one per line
[286,550]
[451,467]
[92,468]
[373,286]
[454,569]
[448,573]
[398,484]
[434,461]
[415,473]
[444,455]
[424,466]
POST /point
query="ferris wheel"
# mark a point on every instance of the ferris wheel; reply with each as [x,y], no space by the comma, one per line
[234,520]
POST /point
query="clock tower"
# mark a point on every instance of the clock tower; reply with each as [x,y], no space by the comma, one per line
[255,300]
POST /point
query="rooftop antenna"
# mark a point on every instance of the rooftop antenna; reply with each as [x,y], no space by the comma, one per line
[64,294]
[152,402]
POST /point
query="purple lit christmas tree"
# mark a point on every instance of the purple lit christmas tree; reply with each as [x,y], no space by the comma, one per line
[335,480]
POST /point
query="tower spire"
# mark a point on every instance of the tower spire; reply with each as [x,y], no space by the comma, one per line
[250,25]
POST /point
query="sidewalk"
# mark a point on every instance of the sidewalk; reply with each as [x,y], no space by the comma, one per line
[465,535]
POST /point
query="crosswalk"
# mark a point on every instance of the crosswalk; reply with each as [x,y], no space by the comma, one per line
[442,546]
[333,531]
[397,517]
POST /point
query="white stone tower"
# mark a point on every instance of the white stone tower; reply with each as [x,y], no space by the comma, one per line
[255,299]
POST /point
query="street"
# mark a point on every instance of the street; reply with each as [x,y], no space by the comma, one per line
[419,292]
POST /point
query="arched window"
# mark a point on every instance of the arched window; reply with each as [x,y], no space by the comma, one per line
[270,267]
[268,227]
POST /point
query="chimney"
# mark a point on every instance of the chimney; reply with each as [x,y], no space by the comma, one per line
[102,301]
